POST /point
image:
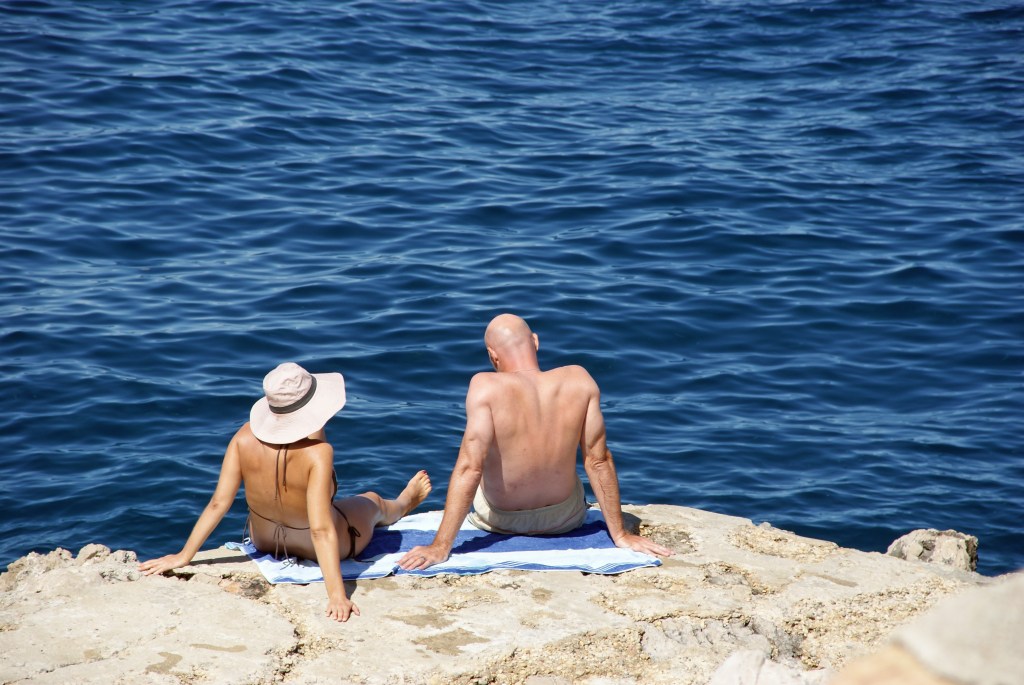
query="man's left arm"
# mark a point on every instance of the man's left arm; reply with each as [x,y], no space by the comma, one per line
[600,468]
[476,442]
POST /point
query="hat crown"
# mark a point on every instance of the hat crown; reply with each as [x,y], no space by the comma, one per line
[295,404]
[286,384]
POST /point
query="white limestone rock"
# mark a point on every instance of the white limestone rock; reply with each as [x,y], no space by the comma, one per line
[948,547]
[795,606]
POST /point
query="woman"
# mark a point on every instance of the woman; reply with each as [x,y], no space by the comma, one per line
[283,458]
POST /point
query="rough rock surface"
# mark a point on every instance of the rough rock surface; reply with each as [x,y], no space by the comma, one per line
[947,547]
[973,637]
[976,636]
[792,606]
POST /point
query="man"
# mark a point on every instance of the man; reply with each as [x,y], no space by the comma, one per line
[517,461]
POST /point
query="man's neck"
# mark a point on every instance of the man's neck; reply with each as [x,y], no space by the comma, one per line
[521,368]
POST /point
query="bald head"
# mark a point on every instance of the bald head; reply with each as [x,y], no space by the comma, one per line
[505,330]
[510,343]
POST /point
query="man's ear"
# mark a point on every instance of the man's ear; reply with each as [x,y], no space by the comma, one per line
[536,342]
[493,356]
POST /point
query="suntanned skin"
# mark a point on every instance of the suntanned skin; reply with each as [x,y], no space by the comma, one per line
[523,427]
[306,497]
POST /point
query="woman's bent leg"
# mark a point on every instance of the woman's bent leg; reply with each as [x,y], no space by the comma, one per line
[368,510]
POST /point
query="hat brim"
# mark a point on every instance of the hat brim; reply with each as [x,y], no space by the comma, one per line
[282,429]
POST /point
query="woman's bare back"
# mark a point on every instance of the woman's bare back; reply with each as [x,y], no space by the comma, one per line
[277,491]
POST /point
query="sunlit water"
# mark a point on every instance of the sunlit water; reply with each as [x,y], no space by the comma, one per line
[786,238]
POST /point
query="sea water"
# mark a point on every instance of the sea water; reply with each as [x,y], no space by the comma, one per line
[786,239]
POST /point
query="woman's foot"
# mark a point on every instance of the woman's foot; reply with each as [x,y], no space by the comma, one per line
[393,509]
[415,492]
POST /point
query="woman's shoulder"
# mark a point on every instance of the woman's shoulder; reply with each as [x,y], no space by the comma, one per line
[244,438]
[311,450]
[314,450]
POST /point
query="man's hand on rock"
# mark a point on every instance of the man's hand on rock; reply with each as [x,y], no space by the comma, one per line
[642,544]
[422,557]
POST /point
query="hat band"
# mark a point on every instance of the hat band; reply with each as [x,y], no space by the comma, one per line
[299,403]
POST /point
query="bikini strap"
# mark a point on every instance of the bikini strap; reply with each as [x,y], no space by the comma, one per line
[280,537]
[283,480]
[353,533]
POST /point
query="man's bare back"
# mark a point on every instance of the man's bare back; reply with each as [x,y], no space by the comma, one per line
[523,427]
[538,418]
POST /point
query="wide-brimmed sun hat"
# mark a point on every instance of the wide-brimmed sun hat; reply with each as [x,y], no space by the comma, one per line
[296,404]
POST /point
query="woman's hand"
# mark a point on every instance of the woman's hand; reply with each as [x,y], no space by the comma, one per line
[166,563]
[341,608]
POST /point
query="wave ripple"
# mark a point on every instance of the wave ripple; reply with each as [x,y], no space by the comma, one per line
[785,237]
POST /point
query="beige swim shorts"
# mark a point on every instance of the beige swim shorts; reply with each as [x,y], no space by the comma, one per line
[549,520]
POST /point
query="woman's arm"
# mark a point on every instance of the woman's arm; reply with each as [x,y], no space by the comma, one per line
[319,491]
[223,496]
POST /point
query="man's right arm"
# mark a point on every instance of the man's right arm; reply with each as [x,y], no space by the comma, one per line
[469,466]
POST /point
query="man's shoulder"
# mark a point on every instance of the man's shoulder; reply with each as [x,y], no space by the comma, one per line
[571,368]
[482,378]
[483,382]
[486,381]
[573,372]
[573,378]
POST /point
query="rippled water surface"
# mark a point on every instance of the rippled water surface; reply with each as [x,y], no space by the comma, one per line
[786,238]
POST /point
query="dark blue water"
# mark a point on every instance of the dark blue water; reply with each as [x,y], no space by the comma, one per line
[786,238]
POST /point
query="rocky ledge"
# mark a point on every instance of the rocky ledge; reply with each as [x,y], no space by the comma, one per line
[738,603]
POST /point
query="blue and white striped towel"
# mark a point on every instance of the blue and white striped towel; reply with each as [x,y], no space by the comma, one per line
[588,549]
